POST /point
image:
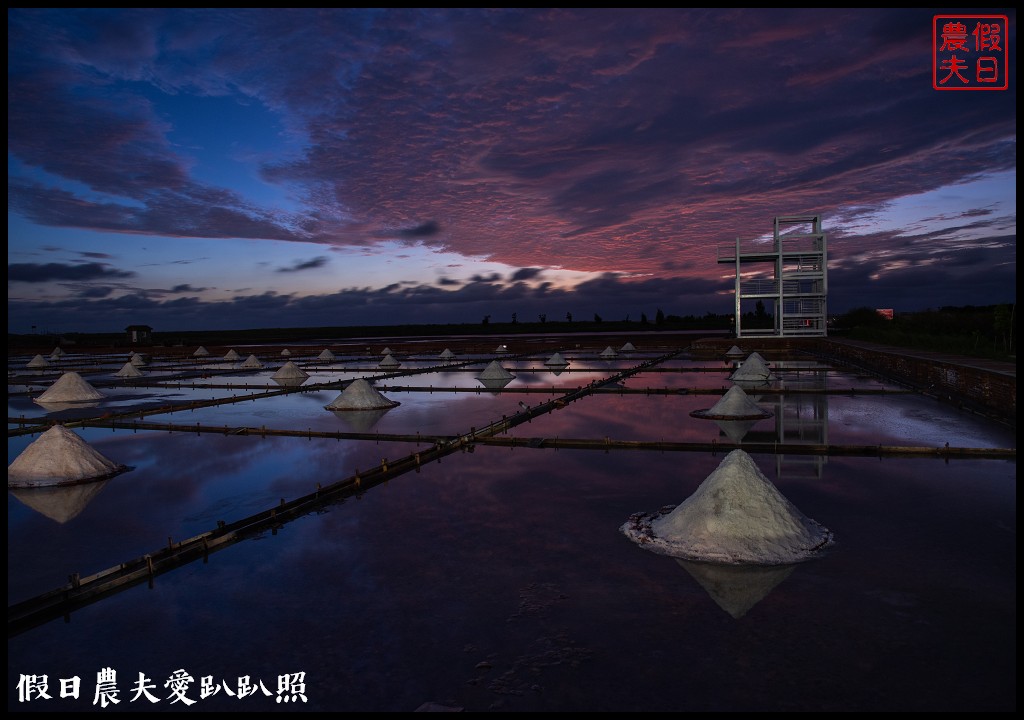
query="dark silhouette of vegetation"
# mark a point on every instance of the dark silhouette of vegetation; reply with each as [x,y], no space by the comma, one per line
[975,331]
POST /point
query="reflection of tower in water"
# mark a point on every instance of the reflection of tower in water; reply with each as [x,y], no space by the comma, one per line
[800,407]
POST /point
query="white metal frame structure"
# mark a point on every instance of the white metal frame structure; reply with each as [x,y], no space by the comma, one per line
[797,286]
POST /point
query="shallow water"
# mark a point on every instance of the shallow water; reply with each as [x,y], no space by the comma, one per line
[498,579]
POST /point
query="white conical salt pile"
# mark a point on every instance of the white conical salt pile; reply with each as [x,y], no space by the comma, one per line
[130,370]
[736,517]
[57,352]
[386,351]
[735,404]
[494,371]
[252,362]
[389,361]
[70,387]
[232,355]
[628,347]
[38,362]
[609,352]
[446,354]
[360,395]
[286,353]
[734,352]
[753,369]
[290,371]
[201,352]
[137,360]
[59,457]
[556,360]
[501,349]
[326,355]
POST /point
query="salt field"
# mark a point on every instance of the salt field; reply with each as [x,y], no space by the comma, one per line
[486,569]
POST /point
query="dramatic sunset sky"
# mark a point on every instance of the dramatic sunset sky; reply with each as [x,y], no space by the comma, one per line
[228,169]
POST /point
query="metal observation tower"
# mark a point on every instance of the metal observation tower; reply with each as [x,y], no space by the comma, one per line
[787,273]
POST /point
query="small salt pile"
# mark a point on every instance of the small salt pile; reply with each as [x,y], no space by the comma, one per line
[69,388]
[609,352]
[735,404]
[389,361]
[201,352]
[754,368]
[232,355]
[130,370]
[252,362]
[360,395]
[290,371]
[326,355]
[556,360]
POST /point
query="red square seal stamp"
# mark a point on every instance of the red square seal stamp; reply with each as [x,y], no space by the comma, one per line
[969,52]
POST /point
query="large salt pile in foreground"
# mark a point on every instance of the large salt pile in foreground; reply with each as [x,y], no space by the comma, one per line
[735,404]
[360,395]
[70,387]
[736,517]
[59,457]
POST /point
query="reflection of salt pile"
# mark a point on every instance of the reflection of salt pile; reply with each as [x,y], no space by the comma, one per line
[201,352]
[59,457]
[609,352]
[290,371]
[556,360]
[736,517]
[753,369]
[737,588]
[60,502]
[232,355]
[130,370]
[38,362]
[734,405]
[326,355]
[361,395]
[70,388]
[389,361]
[252,362]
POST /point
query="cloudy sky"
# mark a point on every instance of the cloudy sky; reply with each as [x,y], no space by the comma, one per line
[223,169]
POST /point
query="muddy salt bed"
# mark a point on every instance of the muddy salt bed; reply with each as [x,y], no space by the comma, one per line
[522,572]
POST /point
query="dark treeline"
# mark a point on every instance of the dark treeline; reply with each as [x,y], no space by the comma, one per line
[988,331]
[272,336]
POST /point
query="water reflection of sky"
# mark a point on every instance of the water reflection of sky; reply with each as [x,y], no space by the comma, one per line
[497,579]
